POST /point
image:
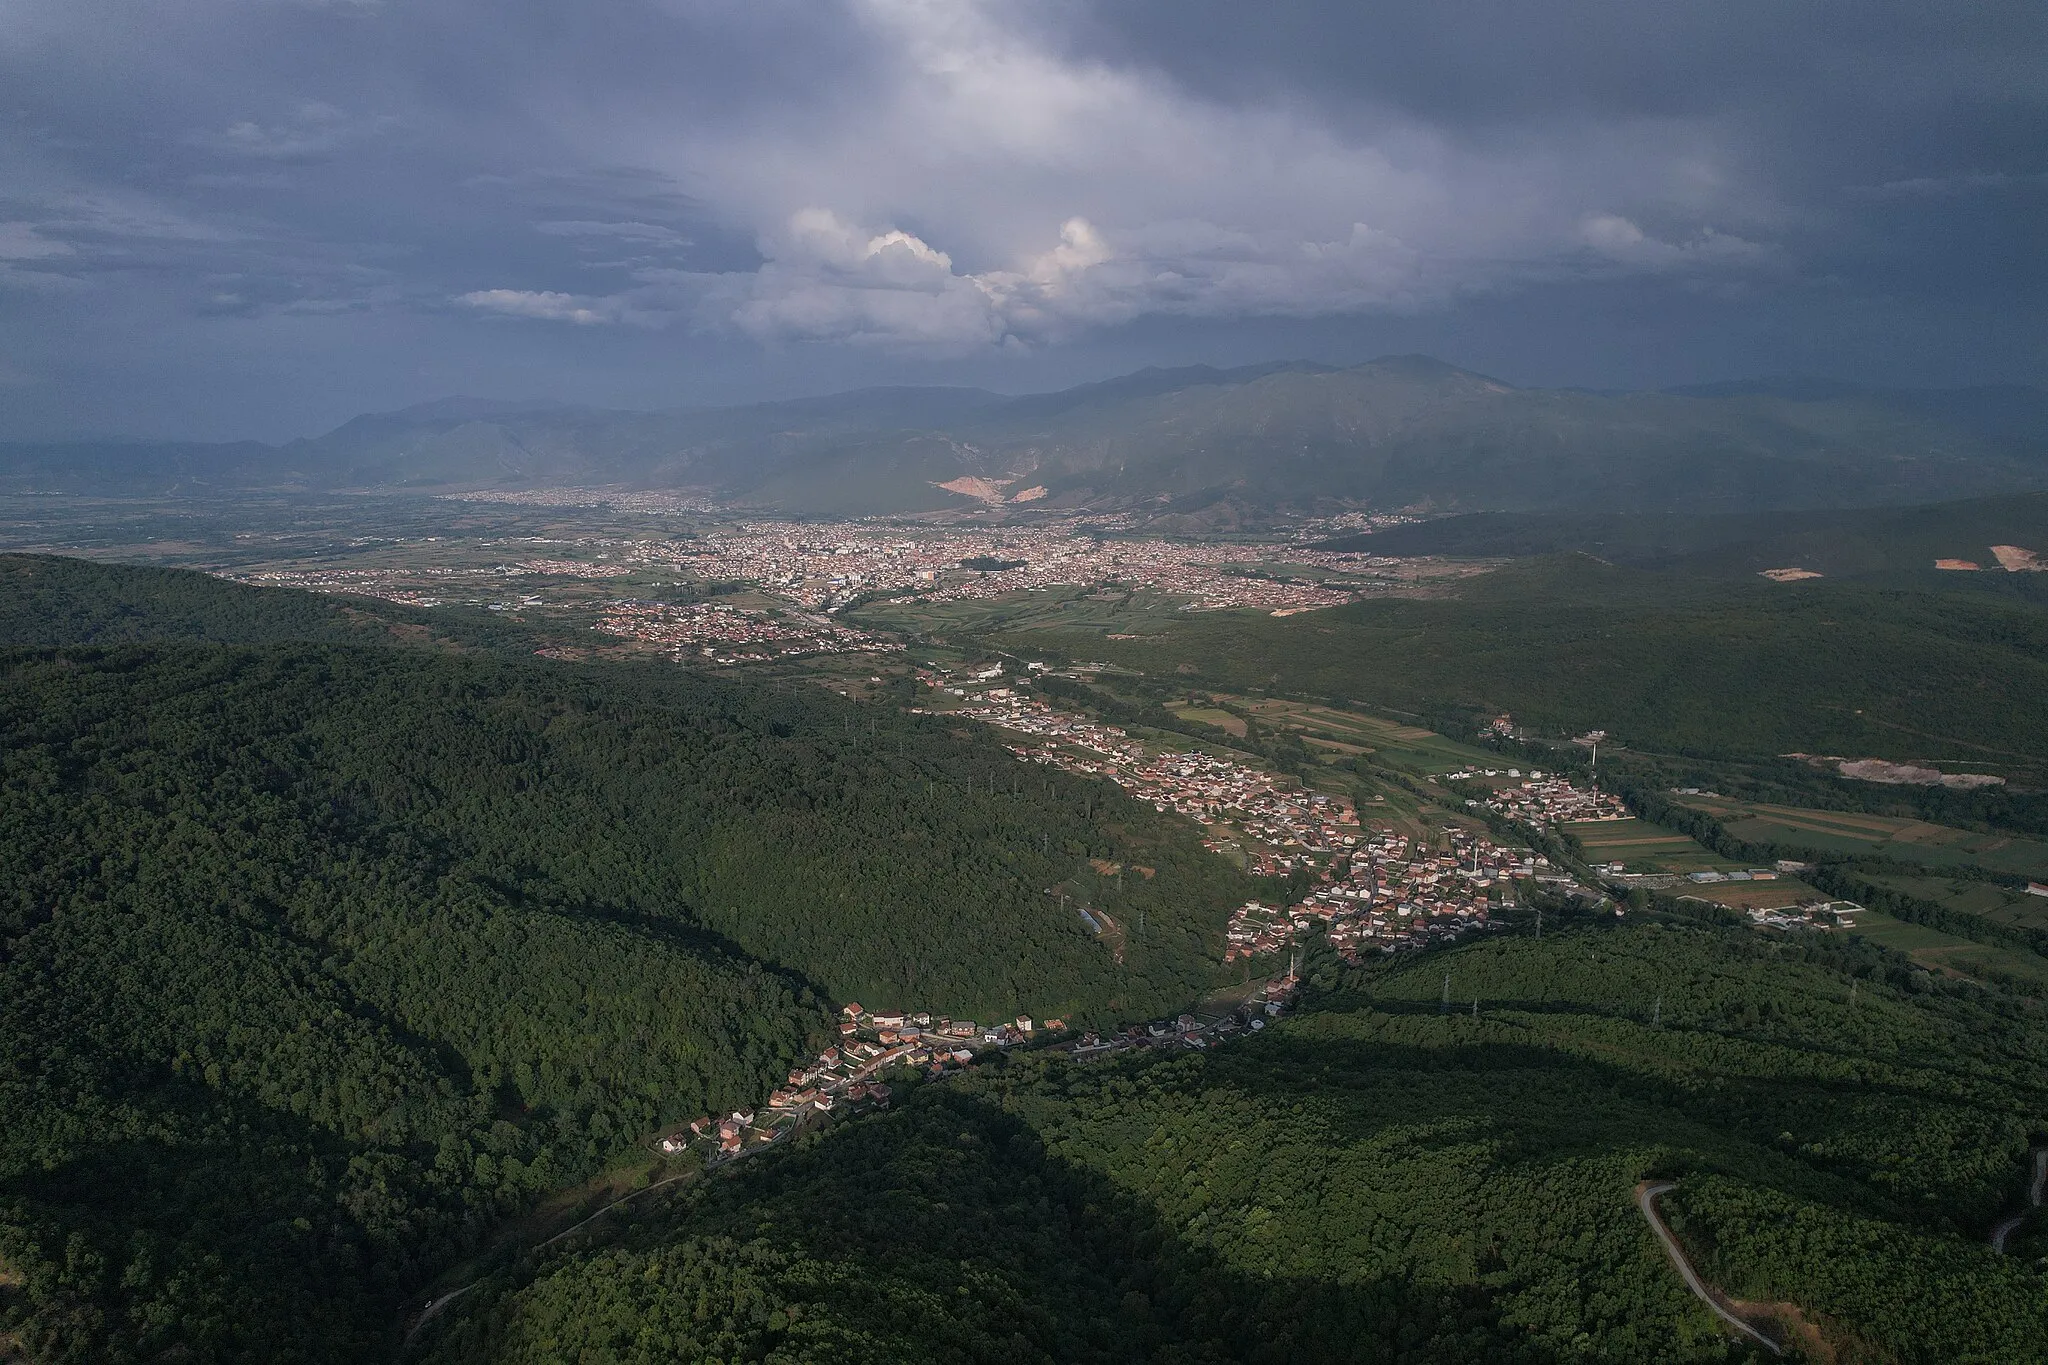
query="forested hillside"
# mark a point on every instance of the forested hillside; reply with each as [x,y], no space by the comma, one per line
[58,600]
[1379,1180]
[1896,544]
[317,959]
[320,959]
[1662,660]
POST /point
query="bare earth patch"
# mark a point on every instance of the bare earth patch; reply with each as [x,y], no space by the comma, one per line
[2014,559]
[1790,1326]
[971,486]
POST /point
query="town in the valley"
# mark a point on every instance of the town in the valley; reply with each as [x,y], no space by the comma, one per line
[733,593]
[1376,890]
[846,1077]
[795,574]
[721,633]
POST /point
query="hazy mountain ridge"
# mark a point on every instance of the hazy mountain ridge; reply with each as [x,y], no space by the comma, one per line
[1403,431]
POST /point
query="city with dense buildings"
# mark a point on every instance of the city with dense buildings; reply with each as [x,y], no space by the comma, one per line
[1392,892]
[722,633]
[826,566]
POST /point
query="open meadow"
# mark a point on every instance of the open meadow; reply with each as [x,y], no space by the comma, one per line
[2000,904]
[1338,729]
[1934,949]
[1644,847]
[1854,832]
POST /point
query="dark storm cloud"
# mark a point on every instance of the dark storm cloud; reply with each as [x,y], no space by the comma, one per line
[1499,62]
[260,215]
[1831,114]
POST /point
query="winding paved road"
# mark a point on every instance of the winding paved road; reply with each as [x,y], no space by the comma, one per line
[2034,1191]
[1646,1197]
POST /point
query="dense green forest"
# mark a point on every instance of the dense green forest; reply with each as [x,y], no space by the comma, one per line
[1377,1179]
[56,600]
[1896,544]
[315,960]
[331,938]
[1662,661]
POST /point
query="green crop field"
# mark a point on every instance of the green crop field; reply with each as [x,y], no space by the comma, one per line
[1408,746]
[1933,948]
[1209,715]
[1643,846]
[2005,905]
[1907,938]
[1854,832]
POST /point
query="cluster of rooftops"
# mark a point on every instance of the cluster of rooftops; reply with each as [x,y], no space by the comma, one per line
[845,1077]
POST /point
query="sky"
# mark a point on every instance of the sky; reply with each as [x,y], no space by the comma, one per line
[226,219]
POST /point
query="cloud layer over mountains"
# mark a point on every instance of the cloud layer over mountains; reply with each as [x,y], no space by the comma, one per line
[237,216]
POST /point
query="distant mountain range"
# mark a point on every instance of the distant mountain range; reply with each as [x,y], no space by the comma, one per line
[1198,448]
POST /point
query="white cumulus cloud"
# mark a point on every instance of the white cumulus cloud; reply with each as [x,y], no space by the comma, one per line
[546,305]
[1051,194]
[1621,241]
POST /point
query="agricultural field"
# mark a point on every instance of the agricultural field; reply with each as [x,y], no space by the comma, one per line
[1210,715]
[1341,731]
[1779,894]
[1383,801]
[1644,847]
[1935,950]
[1891,837]
[2001,904]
